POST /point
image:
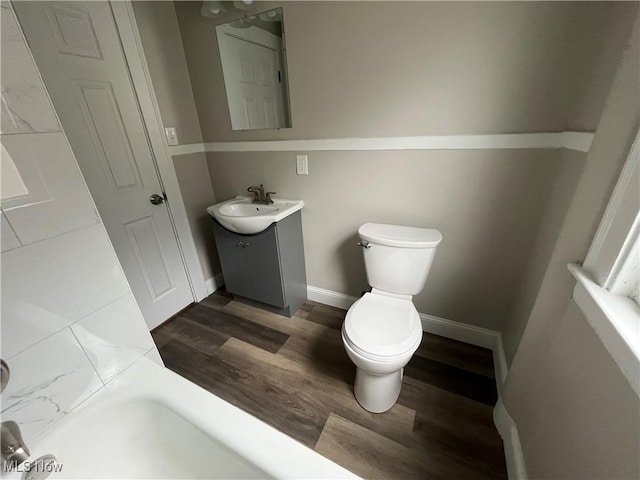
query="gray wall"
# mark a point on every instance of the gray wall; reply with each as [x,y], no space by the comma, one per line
[366,69]
[193,178]
[583,416]
[511,220]
[576,414]
[547,285]
[464,68]
[487,204]
[164,53]
[560,195]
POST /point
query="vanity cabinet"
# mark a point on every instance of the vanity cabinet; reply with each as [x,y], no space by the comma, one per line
[267,267]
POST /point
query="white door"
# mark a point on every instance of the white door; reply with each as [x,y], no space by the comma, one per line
[253,78]
[77,49]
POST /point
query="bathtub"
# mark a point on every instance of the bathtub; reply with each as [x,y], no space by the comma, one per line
[152,423]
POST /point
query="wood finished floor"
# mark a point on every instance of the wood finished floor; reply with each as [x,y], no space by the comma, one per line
[294,374]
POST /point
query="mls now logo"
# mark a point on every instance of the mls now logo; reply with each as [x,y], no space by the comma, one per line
[43,465]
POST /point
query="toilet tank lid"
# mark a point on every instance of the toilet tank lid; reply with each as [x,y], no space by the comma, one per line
[400,236]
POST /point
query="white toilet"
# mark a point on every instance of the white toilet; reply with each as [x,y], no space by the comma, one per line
[382,330]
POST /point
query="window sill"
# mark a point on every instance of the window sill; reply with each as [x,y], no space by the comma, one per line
[616,321]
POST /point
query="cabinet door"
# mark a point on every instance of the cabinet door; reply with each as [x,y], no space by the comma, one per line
[263,260]
[233,259]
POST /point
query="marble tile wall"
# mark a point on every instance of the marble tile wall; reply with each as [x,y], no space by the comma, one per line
[70,322]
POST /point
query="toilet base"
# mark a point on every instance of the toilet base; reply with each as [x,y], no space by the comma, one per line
[377,393]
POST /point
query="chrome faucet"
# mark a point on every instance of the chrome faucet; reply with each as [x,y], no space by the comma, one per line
[14,450]
[259,196]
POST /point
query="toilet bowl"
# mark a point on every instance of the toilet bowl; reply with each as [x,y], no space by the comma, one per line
[380,335]
[382,330]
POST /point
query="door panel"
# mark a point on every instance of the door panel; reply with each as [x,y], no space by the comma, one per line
[73,31]
[77,49]
[151,259]
[102,116]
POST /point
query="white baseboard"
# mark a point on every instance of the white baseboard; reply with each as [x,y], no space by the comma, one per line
[481,337]
[499,363]
[328,297]
[462,332]
[512,448]
[214,283]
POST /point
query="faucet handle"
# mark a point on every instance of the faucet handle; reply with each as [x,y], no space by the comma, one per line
[14,450]
[267,196]
[5,373]
[256,192]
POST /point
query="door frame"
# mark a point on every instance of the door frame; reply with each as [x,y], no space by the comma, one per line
[150,112]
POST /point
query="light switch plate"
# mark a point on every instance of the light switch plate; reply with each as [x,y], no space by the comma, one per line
[172,136]
[302,165]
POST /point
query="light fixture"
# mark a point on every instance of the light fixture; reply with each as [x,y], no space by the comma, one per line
[243,4]
[211,8]
[271,16]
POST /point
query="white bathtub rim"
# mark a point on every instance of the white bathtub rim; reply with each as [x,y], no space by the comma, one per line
[280,457]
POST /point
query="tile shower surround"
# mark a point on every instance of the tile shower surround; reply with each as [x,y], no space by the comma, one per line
[69,323]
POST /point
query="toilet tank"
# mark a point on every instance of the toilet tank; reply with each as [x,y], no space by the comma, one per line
[398,258]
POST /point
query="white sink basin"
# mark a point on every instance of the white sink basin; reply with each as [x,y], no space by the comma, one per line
[241,216]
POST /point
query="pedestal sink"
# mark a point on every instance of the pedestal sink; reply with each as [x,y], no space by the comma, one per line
[240,215]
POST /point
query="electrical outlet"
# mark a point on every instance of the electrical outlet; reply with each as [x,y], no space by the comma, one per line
[172,136]
[302,165]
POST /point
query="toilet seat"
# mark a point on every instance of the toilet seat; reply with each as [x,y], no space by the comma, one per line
[380,327]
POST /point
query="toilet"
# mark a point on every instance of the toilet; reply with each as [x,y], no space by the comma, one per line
[382,329]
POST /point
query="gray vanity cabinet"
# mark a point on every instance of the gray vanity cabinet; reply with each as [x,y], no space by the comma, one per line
[267,267]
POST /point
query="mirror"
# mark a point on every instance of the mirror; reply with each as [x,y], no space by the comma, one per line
[253,55]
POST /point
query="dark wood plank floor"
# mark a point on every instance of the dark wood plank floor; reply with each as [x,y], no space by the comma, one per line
[294,374]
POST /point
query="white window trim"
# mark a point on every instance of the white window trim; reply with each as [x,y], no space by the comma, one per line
[614,318]
[609,274]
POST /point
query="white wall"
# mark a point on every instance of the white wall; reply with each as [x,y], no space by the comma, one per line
[70,323]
